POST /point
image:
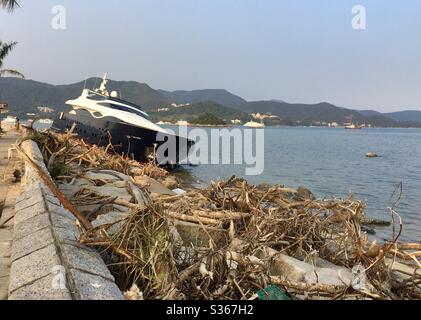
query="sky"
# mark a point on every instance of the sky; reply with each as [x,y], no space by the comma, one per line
[294,50]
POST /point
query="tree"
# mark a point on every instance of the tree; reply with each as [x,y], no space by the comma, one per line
[9,4]
[5,49]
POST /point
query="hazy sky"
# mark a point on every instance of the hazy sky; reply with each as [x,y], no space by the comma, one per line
[294,50]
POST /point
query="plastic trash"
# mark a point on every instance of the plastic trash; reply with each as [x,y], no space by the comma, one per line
[272,293]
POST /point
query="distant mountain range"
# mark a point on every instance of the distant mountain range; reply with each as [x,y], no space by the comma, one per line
[220,96]
[400,116]
[24,96]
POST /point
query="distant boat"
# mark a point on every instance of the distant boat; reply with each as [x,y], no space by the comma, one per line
[353,127]
[253,124]
[161,123]
[182,123]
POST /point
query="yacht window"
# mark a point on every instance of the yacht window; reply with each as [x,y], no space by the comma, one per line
[97,114]
[124,108]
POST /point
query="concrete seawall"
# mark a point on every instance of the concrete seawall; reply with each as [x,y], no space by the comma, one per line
[47,260]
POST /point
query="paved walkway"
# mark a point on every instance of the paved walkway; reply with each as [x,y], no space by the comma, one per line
[8,193]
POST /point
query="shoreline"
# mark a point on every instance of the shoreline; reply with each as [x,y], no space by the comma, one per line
[224,213]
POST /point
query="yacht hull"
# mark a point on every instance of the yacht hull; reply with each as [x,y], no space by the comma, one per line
[135,142]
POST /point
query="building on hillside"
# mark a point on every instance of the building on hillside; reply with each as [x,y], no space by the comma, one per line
[259,116]
[236,121]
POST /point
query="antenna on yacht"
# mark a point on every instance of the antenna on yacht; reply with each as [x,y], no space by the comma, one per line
[103,87]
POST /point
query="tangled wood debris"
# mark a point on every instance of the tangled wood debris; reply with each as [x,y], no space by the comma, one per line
[232,239]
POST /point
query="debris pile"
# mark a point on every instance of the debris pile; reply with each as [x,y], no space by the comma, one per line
[67,155]
[232,240]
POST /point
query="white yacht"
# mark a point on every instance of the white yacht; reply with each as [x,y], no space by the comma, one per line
[101,117]
[253,124]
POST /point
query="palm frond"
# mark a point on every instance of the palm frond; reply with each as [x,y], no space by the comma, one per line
[12,73]
[9,5]
[5,49]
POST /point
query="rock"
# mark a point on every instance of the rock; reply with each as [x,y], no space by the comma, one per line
[305,194]
[89,208]
[175,236]
[110,218]
[199,236]
[402,271]
[106,175]
[152,185]
[70,190]
[138,194]
[119,184]
[95,175]
[136,171]
[295,270]
[143,182]
[171,182]
[112,191]
[372,155]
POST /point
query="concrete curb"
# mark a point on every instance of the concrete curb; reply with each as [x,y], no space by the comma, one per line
[47,261]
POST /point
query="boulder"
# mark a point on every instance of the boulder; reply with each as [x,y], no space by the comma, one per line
[199,236]
[110,218]
[372,155]
[170,182]
[95,175]
[112,191]
[119,184]
[69,190]
[295,270]
[86,209]
[108,175]
[305,194]
[152,185]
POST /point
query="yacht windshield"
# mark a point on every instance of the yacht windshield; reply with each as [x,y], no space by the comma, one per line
[108,102]
[124,108]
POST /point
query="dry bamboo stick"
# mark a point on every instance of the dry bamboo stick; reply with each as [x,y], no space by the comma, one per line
[409,246]
[306,287]
[228,215]
[185,217]
[125,203]
[50,184]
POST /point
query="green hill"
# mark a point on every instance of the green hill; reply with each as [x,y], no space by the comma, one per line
[220,96]
[197,110]
[24,96]
[314,114]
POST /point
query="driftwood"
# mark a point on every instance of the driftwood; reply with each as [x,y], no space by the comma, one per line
[146,251]
[50,184]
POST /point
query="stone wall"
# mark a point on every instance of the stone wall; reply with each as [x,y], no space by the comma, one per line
[47,260]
